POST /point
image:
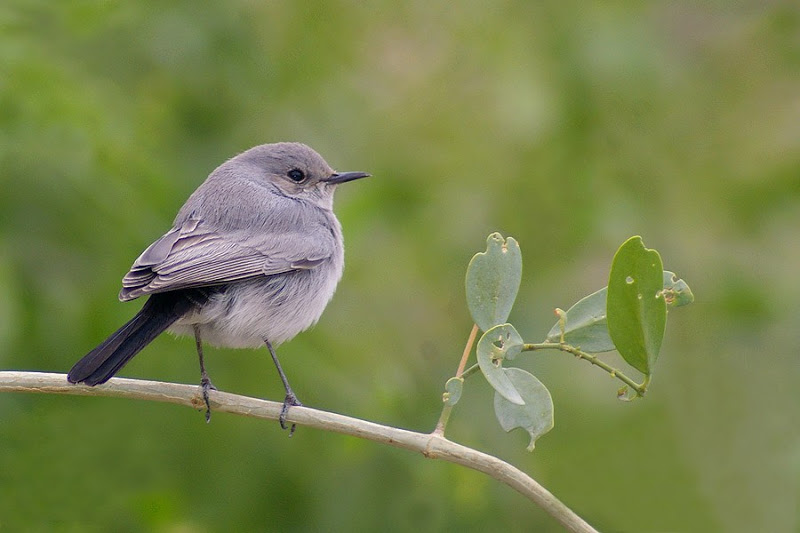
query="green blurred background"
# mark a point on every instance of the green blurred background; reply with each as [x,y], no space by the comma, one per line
[568,125]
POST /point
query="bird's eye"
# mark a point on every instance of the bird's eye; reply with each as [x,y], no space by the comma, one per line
[296,175]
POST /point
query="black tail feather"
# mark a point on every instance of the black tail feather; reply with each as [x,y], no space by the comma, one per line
[158,313]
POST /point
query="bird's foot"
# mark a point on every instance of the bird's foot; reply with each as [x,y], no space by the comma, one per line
[290,401]
[206,385]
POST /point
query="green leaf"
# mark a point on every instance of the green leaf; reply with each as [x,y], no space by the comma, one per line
[536,416]
[637,312]
[500,342]
[452,390]
[676,292]
[585,325]
[492,281]
[585,322]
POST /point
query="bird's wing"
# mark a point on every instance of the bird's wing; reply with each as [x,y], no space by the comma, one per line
[196,255]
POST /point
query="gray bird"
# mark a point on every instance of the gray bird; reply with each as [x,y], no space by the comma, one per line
[253,258]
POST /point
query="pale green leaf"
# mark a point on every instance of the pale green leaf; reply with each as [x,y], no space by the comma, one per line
[452,390]
[536,416]
[492,281]
[585,325]
[499,343]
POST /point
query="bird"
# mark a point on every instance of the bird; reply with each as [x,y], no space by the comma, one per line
[252,259]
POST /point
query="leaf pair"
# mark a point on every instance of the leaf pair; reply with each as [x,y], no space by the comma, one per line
[630,314]
[584,325]
[492,283]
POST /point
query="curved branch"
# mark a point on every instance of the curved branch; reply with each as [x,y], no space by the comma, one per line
[431,445]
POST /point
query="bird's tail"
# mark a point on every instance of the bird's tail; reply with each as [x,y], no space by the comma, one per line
[159,312]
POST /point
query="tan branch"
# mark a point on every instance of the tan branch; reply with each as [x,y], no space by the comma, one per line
[431,445]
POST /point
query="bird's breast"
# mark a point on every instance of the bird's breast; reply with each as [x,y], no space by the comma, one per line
[275,308]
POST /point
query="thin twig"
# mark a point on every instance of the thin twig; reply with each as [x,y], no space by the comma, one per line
[639,388]
[430,445]
[467,350]
[447,408]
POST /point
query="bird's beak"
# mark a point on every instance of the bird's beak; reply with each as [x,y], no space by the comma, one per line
[343,177]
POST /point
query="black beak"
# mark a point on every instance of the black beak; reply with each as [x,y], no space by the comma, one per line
[343,177]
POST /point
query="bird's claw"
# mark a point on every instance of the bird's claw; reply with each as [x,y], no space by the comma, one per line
[206,386]
[290,401]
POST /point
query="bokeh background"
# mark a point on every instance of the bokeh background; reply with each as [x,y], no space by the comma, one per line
[568,125]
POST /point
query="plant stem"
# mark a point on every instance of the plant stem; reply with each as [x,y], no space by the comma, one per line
[471,370]
[448,408]
[640,389]
[467,350]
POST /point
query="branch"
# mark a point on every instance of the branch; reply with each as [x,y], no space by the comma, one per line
[432,446]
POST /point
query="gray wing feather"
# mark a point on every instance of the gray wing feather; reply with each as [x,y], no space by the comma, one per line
[196,255]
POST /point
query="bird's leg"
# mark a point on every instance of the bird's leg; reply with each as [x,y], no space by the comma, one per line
[205,381]
[290,400]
